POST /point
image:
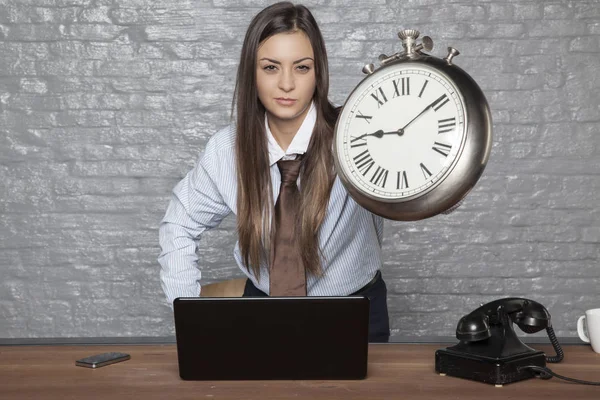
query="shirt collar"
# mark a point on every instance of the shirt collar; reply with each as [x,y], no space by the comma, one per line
[300,141]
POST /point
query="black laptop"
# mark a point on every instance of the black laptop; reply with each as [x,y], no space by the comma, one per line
[249,338]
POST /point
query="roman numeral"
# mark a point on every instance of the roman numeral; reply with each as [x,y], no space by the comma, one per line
[425,171]
[364,162]
[402,182]
[358,141]
[440,102]
[376,97]
[401,87]
[443,149]
[446,125]
[367,118]
[423,88]
[380,176]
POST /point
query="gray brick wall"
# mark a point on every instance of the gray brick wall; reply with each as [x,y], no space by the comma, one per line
[105,104]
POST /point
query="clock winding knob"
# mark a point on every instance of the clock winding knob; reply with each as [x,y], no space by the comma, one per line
[368,69]
[408,34]
[452,52]
[409,42]
[427,43]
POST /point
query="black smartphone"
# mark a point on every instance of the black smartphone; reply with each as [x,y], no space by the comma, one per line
[100,360]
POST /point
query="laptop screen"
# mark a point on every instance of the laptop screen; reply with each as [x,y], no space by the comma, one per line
[272,337]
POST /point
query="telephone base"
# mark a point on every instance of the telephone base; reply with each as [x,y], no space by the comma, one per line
[496,371]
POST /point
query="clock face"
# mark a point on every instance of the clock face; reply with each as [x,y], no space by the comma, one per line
[401,132]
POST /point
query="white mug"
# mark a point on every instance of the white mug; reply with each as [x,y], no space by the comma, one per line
[591,321]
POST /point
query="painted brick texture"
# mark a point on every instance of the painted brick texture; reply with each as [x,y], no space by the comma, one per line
[105,104]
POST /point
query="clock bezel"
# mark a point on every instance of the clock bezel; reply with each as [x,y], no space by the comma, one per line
[467,167]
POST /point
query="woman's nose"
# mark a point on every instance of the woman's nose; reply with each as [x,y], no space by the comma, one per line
[286,81]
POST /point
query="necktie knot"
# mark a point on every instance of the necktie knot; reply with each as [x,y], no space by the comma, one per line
[289,170]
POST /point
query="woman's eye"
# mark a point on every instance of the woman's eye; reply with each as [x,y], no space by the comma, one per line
[269,68]
[304,68]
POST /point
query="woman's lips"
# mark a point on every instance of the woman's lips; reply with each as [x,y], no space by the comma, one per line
[285,102]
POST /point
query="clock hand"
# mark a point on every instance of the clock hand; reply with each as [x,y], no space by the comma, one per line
[413,120]
[433,104]
[379,134]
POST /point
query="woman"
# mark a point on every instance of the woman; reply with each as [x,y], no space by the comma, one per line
[314,240]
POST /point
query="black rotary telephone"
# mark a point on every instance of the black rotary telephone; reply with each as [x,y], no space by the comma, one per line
[490,351]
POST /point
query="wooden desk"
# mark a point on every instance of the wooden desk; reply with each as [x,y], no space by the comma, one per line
[403,371]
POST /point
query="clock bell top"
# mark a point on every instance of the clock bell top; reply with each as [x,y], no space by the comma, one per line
[412,50]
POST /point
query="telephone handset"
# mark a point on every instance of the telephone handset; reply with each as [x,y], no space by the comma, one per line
[495,318]
[489,349]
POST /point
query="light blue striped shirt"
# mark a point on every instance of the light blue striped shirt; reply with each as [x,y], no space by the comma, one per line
[350,236]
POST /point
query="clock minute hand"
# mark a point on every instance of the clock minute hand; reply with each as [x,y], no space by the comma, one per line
[432,105]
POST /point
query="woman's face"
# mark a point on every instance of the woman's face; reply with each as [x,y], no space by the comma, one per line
[285,77]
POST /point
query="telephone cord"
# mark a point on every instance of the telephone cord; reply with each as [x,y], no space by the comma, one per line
[559,352]
[547,373]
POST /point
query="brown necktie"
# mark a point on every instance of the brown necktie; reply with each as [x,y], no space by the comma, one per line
[287,275]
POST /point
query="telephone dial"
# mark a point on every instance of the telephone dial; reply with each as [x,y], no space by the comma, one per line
[489,349]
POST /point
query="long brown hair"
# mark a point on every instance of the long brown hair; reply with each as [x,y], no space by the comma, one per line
[254,196]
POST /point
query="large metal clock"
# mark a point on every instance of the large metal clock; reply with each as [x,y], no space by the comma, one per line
[414,136]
